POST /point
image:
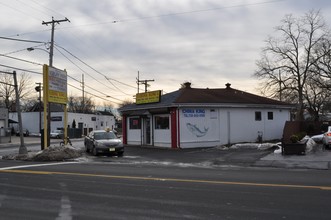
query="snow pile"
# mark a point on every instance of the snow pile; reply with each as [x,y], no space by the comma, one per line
[57,153]
[263,146]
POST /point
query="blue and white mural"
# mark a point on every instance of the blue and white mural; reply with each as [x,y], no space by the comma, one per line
[196,131]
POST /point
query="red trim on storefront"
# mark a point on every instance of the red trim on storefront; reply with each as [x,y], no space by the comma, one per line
[124,130]
[173,115]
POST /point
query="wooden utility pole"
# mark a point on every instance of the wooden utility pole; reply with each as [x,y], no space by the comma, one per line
[51,49]
[144,82]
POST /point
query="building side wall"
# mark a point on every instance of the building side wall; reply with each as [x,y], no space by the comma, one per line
[30,121]
[199,127]
[240,125]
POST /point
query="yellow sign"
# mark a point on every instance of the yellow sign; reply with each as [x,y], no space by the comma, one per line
[148,97]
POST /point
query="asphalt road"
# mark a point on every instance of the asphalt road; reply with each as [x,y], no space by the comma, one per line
[101,190]
[150,183]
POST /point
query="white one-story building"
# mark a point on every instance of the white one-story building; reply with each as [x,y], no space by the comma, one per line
[86,122]
[191,117]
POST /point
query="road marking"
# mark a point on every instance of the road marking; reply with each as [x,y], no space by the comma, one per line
[36,165]
[169,179]
[65,212]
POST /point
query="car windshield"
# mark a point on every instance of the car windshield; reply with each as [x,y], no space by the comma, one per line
[104,135]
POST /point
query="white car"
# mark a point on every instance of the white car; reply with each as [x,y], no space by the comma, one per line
[327,138]
[57,134]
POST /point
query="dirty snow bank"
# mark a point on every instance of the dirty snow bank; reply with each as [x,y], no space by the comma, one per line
[263,146]
[57,153]
[52,153]
[311,144]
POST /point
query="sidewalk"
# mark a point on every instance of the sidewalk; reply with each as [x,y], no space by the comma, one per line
[316,159]
[313,160]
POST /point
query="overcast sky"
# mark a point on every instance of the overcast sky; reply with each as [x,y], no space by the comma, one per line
[206,42]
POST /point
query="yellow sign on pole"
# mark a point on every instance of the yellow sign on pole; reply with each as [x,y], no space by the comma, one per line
[148,97]
[54,91]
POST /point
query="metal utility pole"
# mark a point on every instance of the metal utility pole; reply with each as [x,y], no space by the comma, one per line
[22,149]
[144,82]
[51,49]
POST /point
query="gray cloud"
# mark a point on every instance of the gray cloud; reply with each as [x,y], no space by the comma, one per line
[208,43]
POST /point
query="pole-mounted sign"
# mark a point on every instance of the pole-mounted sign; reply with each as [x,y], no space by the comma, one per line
[55,91]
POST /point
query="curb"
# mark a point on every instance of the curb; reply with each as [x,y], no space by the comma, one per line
[292,164]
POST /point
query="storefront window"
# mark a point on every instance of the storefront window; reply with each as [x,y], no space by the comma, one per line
[134,123]
[161,122]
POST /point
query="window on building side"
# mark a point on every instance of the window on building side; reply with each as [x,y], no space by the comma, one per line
[258,116]
[161,122]
[270,116]
[134,123]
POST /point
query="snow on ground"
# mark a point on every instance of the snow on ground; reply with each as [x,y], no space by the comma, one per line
[277,146]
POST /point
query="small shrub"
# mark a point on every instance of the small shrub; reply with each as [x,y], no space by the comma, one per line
[294,138]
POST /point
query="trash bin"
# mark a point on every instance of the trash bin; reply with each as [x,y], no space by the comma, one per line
[42,143]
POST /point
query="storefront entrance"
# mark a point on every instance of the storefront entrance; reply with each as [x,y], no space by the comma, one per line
[147,137]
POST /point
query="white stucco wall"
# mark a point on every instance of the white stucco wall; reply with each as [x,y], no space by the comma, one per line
[218,126]
[198,127]
[30,120]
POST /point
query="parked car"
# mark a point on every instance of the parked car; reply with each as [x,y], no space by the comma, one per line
[103,142]
[57,134]
[25,132]
[327,138]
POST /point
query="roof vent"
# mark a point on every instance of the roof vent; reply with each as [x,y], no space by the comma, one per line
[228,85]
[187,85]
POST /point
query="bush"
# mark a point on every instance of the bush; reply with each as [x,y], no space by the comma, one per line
[294,138]
[297,137]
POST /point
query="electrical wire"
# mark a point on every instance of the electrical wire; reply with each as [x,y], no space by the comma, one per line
[24,70]
[81,68]
[15,39]
[106,77]
[19,59]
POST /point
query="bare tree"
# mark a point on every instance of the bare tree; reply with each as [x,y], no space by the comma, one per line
[7,89]
[289,59]
[125,102]
[81,105]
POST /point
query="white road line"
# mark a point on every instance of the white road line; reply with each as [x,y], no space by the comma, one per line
[36,165]
[65,211]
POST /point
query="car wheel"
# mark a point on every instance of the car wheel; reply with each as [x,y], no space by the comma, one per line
[120,154]
[94,151]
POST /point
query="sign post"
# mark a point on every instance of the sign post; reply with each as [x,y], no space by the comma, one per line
[55,91]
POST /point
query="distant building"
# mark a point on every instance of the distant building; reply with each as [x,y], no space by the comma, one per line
[85,122]
[191,117]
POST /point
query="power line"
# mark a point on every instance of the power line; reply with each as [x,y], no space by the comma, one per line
[106,77]
[24,70]
[19,59]
[15,39]
[174,14]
